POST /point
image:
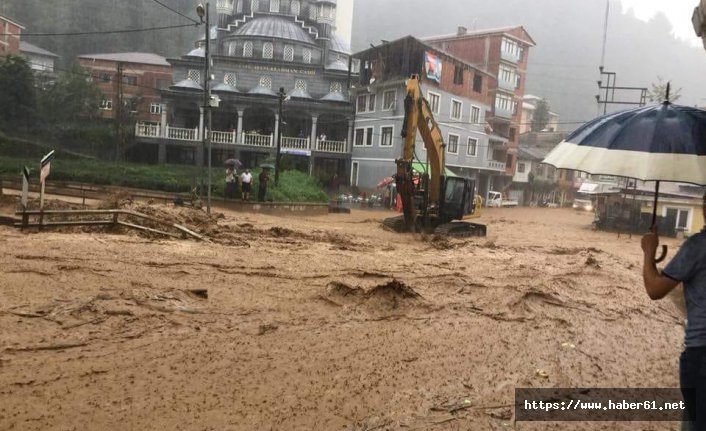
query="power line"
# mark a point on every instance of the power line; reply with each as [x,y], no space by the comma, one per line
[176,12]
[86,33]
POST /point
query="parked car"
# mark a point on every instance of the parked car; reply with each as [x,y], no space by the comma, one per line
[496,200]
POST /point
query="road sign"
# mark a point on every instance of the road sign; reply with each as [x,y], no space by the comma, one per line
[25,186]
[44,168]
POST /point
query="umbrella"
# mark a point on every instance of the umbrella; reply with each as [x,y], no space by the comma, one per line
[386,182]
[267,166]
[233,162]
[663,142]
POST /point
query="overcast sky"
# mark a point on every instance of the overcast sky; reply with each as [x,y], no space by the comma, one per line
[678,12]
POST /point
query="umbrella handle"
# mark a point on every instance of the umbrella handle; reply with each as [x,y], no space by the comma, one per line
[662,255]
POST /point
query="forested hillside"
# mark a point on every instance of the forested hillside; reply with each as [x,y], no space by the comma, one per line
[69,16]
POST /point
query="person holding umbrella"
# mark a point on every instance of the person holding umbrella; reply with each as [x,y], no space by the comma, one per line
[688,267]
[263,179]
[246,183]
[664,142]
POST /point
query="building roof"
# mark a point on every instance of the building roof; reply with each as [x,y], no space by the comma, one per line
[340,45]
[130,57]
[488,31]
[275,27]
[4,18]
[532,153]
[430,48]
[33,49]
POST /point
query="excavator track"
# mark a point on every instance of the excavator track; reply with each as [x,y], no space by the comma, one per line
[461,229]
[395,224]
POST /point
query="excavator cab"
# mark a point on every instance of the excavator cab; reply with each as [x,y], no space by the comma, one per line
[458,199]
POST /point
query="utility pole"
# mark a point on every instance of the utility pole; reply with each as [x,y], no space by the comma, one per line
[201,12]
[119,111]
[278,156]
[609,86]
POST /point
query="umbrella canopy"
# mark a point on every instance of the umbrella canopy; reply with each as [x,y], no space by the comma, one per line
[233,162]
[654,143]
[386,182]
[267,166]
[664,142]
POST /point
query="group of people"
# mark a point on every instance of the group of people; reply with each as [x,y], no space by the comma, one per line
[246,184]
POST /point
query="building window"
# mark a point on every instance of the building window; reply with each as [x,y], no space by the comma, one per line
[130,80]
[255,5]
[452,147]
[504,103]
[434,102]
[386,134]
[366,103]
[478,83]
[296,7]
[458,75]
[105,77]
[520,168]
[265,82]
[456,110]
[274,6]
[155,108]
[239,6]
[388,100]
[247,49]
[106,104]
[194,75]
[355,167]
[312,12]
[475,115]
[307,56]
[472,149]
[229,79]
[363,137]
[336,87]
[511,47]
[288,53]
[300,84]
[268,50]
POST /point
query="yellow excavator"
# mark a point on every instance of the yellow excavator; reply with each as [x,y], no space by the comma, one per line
[432,201]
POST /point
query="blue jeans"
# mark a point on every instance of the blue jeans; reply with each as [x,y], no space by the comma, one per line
[692,376]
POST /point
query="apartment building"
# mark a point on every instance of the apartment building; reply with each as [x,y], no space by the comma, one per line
[458,94]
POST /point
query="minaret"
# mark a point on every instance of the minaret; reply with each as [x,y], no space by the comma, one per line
[325,21]
[225,12]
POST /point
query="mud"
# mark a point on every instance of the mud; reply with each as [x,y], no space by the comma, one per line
[322,323]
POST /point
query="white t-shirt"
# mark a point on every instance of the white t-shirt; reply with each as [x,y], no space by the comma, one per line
[246,178]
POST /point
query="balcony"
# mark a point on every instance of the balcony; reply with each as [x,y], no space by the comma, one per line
[155,131]
[504,113]
[331,146]
[508,84]
[496,166]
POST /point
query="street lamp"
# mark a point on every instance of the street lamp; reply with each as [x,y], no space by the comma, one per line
[201,12]
[281,95]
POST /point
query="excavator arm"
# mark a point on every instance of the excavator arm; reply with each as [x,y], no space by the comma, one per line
[418,117]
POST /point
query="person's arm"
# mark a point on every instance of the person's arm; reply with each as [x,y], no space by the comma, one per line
[657,285]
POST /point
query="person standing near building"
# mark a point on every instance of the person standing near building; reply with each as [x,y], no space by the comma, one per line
[246,183]
[231,182]
[689,268]
[263,179]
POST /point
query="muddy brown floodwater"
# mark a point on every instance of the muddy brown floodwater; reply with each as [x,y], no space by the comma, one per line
[323,323]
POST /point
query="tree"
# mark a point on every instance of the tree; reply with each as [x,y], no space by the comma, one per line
[541,116]
[658,92]
[73,98]
[17,94]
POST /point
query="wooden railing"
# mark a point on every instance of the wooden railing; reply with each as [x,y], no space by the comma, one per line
[295,143]
[257,140]
[331,146]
